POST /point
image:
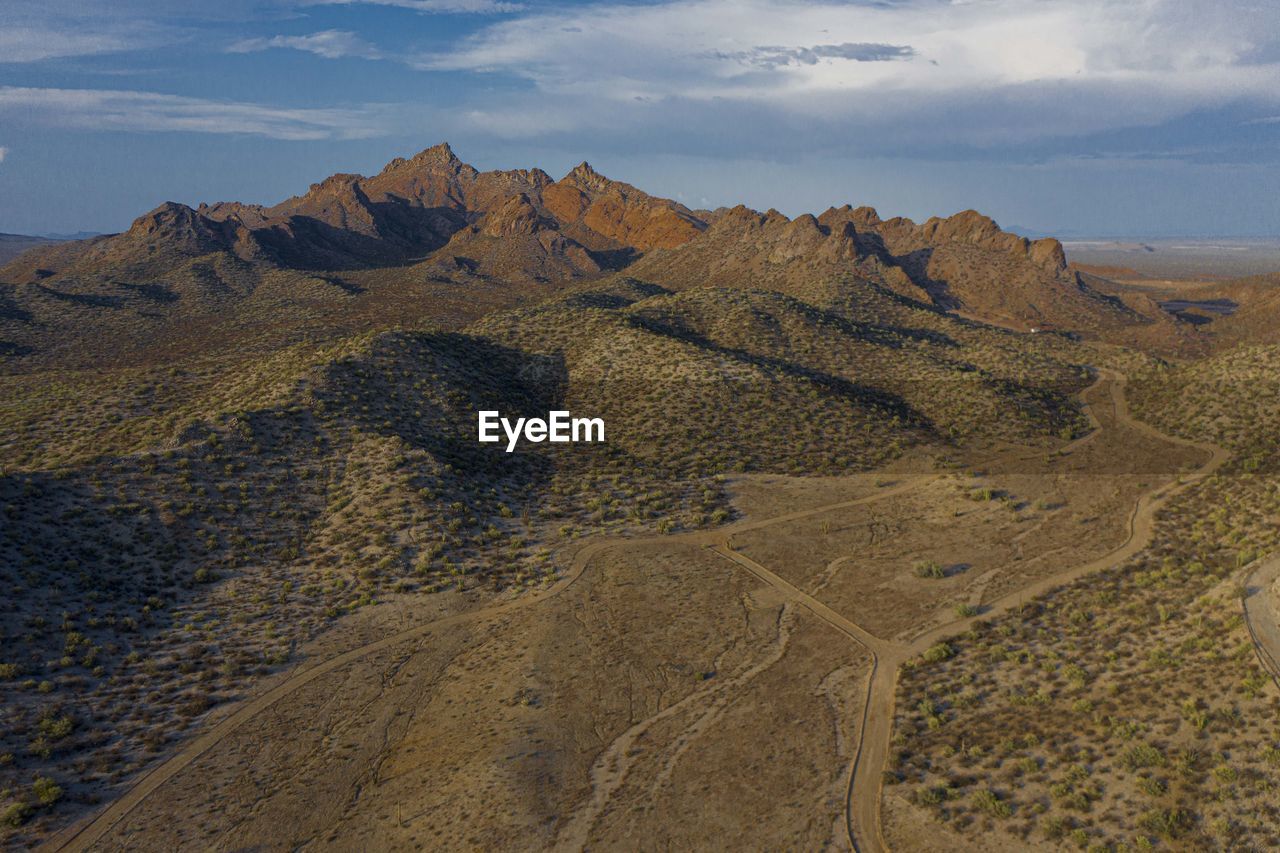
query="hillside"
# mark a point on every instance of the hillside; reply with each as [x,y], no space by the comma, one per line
[236,437]
[12,245]
[232,506]
[964,265]
[1241,310]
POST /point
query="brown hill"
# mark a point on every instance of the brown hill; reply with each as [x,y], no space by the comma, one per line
[12,245]
[409,210]
[413,206]
[967,263]
[1243,310]
[751,249]
[170,234]
[435,177]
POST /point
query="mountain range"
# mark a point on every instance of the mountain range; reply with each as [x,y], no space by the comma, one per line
[432,221]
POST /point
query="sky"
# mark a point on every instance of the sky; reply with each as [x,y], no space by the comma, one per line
[1072,117]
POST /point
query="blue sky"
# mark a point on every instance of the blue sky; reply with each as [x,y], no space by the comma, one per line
[1086,117]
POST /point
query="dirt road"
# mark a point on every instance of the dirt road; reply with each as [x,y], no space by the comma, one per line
[1260,610]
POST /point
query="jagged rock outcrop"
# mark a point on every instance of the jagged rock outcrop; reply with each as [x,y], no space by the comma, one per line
[339,200]
[251,215]
[619,212]
[517,215]
[178,227]
[435,177]
[412,208]
[434,212]
[963,262]
[746,248]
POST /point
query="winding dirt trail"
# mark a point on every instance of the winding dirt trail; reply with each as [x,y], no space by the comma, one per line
[863,821]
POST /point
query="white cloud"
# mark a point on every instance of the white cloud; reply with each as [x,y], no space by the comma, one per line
[473,7]
[4,152]
[331,44]
[39,42]
[106,109]
[972,71]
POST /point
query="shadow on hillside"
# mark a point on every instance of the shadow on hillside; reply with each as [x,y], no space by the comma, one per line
[831,384]
[75,557]
[916,265]
[404,232]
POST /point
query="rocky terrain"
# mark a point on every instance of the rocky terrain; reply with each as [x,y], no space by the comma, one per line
[238,442]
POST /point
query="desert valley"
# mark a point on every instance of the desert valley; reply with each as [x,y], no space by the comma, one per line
[903,535]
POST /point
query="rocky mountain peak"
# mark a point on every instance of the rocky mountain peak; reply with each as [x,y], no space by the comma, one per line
[439,153]
[169,219]
[177,227]
[340,184]
[585,177]
[434,160]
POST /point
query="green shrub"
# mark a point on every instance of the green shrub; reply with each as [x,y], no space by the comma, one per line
[46,790]
[1054,827]
[928,569]
[1140,756]
[1168,823]
[939,653]
[15,815]
[932,795]
[1152,787]
[989,802]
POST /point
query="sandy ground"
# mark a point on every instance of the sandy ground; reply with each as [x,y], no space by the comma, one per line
[638,708]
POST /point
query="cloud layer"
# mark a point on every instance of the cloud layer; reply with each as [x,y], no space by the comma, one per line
[40,42]
[744,77]
[474,7]
[331,44]
[977,72]
[105,109]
